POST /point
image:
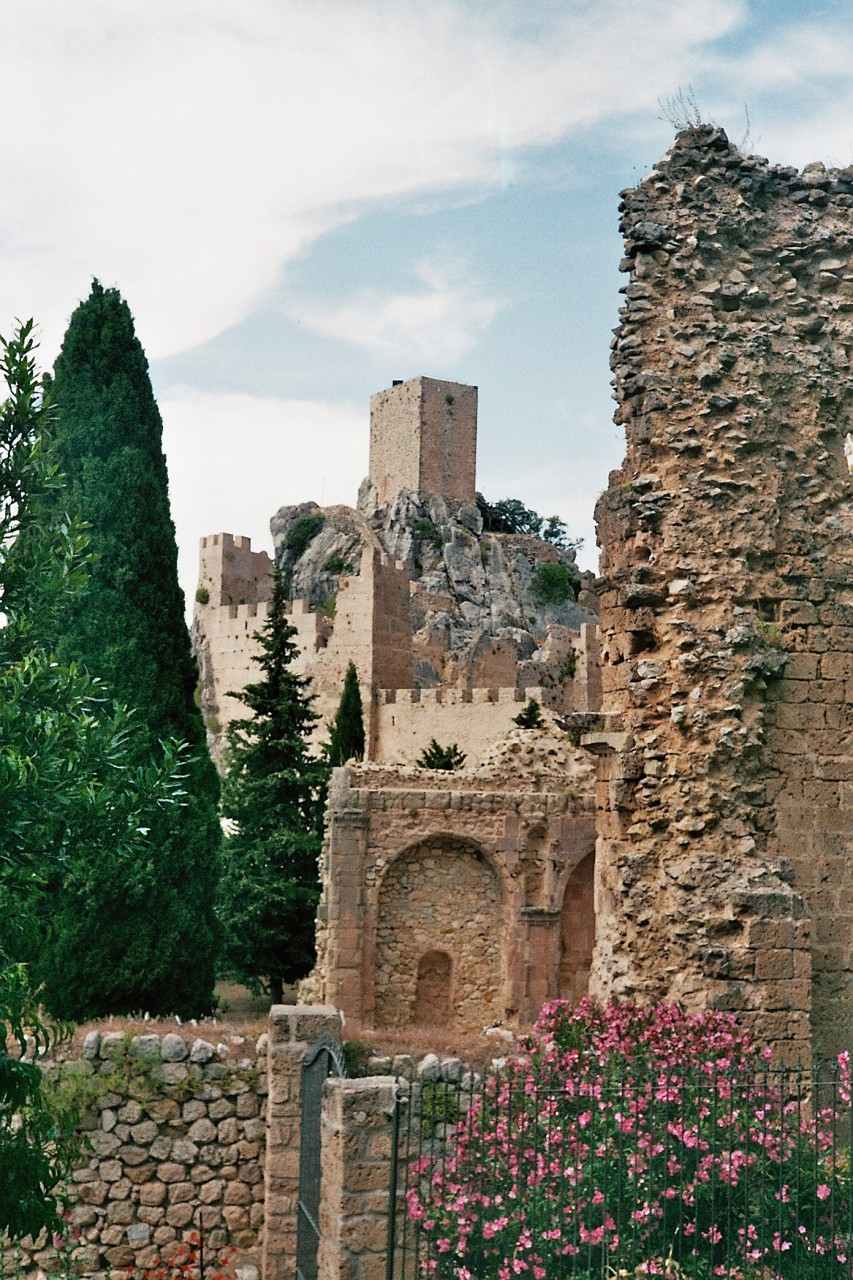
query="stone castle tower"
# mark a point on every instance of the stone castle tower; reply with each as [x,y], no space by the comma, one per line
[423,437]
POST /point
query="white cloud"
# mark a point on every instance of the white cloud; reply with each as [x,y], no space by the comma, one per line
[186,150]
[235,459]
[438,324]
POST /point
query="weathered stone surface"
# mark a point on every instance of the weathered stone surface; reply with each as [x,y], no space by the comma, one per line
[729,529]
[174,1048]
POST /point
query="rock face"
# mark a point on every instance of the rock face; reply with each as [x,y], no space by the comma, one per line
[725,837]
[476,610]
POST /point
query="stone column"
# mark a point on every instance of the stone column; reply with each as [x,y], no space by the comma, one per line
[543,959]
[293,1029]
[345,901]
[356,1164]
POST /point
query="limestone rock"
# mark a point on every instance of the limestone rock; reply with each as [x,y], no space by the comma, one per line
[174,1048]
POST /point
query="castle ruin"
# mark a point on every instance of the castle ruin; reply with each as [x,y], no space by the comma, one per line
[714,866]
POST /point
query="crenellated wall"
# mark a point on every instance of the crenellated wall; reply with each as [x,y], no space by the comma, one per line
[724,868]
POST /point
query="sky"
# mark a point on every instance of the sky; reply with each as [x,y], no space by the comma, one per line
[303,200]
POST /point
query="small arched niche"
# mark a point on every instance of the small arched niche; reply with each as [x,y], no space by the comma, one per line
[434,990]
[577,931]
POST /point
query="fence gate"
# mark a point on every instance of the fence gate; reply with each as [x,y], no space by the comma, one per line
[321,1062]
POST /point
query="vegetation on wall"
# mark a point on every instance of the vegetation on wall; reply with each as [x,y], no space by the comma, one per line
[427,531]
[552,584]
[75,788]
[437,757]
[510,515]
[274,794]
[106,946]
[346,731]
[303,531]
[530,717]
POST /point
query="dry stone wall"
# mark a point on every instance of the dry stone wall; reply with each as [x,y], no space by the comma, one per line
[174,1138]
[727,599]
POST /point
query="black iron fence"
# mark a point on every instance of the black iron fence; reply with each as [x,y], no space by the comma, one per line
[616,1172]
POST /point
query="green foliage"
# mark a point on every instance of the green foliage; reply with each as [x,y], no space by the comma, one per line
[117,938]
[568,666]
[346,732]
[75,789]
[303,531]
[437,757]
[36,1149]
[356,1055]
[337,564]
[441,1104]
[329,606]
[530,717]
[426,531]
[274,792]
[552,584]
[509,515]
[202,596]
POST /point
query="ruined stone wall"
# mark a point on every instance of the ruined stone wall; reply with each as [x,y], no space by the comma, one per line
[724,790]
[423,436]
[475,719]
[176,1139]
[413,855]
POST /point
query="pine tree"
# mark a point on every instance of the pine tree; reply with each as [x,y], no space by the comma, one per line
[112,948]
[274,795]
[346,732]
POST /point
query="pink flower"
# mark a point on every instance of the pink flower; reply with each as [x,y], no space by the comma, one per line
[823,1192]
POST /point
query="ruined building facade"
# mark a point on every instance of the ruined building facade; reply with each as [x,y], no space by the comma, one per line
[725,826]
[463,897]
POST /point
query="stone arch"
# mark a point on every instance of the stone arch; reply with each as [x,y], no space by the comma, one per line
[440,896]
[577,931]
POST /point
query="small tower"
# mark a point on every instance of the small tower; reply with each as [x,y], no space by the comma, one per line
[423,436]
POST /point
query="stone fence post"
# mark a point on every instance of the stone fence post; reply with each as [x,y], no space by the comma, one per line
[356,1168]
[293,1029]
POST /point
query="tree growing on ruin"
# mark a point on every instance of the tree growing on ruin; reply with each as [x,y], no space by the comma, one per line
[346,731]
[75,789]
[109,950]
[274,796]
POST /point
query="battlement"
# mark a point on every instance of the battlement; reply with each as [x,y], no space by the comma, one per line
[231,572]
[423,436]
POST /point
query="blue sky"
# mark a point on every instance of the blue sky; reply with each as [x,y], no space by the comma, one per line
[302,200]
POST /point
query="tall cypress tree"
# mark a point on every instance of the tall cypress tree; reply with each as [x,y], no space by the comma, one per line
[346,731]
[111,949]
[274,793]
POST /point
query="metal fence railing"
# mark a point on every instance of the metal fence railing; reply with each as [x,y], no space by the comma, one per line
[619,1173]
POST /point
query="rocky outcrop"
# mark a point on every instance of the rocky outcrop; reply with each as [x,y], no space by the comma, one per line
[478,609]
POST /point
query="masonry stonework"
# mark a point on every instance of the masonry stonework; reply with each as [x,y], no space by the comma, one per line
[423,437]
[725,838]
[444,896]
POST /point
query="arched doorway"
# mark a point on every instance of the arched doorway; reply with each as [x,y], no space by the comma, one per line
[577,931]
[439,937]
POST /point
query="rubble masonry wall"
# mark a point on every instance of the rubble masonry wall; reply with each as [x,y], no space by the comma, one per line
[725,875]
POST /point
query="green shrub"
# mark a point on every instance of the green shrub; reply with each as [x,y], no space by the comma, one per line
[356,1054]
[202,596]
[303,531]
[438,757]
[552,584]
[427,532]
[337,564]
[568,666]
[530,717]
[329,606]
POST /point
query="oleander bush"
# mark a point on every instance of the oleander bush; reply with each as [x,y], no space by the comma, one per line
[641,1141]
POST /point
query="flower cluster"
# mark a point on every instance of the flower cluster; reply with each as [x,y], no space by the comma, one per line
[626,1139]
